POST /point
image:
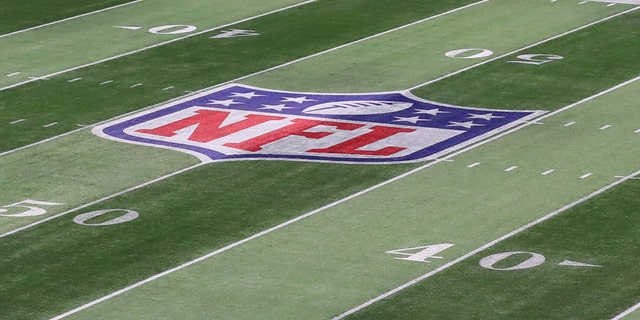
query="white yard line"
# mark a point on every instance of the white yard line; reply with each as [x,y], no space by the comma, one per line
[70,18]
[526,47]
[484,247]
[355,195]
[627,312]
[101,200]
[158,44]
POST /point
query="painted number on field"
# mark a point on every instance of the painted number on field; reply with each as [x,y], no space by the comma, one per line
[536,59]
[469,53]
[27,208]
[125,216]
[421,254]
[173,29]
[527,260]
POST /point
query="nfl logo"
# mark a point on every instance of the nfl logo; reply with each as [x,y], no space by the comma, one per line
[243,122]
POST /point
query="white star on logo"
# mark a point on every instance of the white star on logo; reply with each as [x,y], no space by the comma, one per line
[299,100]
[246,95]
[488,116]
[225,103]
[413,120]
[468,124]
[277,107]
[433,112]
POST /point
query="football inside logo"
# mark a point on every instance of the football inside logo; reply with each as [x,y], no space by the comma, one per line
[243,122]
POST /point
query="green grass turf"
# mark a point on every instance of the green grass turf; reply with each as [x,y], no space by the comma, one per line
[601,231]
[59,265]
[166,200]
[594,60]
[195,63]
[18,15]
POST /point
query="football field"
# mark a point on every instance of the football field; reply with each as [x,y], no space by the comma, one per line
[321,159]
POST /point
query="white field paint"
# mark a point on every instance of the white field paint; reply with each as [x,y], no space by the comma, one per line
[526,47]
[100,200]
[159,44]
[70,18]
[627,312]
[323,53]
[484,247]
[353,196]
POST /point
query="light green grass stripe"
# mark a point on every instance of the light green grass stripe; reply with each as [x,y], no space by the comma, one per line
[411,56]
[78,169]
[93,38]
[330,262]
[459,25]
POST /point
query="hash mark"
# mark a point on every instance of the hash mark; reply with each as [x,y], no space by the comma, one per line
[569,124]
[74,80]
[136,85]
[637,131]
[605,127]
[611,4]
[103,83]
[13,74]
[548,172]
[17,121]
[50,125]
[586,175]
[473,165]
[511,168]
[168,88]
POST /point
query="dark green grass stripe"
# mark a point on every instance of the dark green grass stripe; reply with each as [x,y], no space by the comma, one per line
[57,266]
[601,231]
[196,63]
[16,15]
[594,59]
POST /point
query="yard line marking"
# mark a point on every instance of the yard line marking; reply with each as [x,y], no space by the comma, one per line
[70,18]
[333,204]
[510,168]
[13,74]
[484,247]
[569,124]
[17,121]
[627,312]
[168,88]
[586,175]
[548,172]
[605,127]
[473,165]
[101,200]
[526,47]
[105,82]
[50,125]
[74,80]
[162,43]
[349,44]
[629,178]
[136,85]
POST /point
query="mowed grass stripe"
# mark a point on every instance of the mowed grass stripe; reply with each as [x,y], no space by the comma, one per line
[410,60]
[285,241]
[338,256]
[96,37]
[600,231]
[19,15]
[195,63]
[20,304]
